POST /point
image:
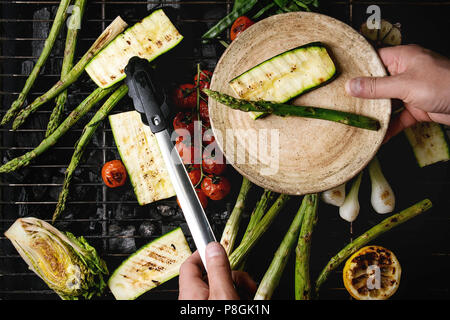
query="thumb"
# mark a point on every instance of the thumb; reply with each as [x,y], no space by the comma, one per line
[377,87]
[219,273]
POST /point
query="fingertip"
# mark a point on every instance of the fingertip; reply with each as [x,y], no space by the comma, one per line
[353,86]
[214,249]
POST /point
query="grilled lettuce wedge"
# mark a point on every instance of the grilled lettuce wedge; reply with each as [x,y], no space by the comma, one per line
[285,76]
[150,266]
[428,142]
[147,39]
[140,153]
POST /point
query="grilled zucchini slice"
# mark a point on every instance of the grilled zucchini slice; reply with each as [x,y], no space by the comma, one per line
[150,266]
[428,142]
[140,153]
[287,75]
[147,39]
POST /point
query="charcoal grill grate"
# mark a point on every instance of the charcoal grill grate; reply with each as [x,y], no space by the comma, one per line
[31,191]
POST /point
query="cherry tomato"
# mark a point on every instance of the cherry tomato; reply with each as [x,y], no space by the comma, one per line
[187,151]
[204,112]
[201,196]
[208,136]
[195,174]
[114,174]
[239,26]
[205,79]
[215,187]
[185,96]
[214,162]
[184,120]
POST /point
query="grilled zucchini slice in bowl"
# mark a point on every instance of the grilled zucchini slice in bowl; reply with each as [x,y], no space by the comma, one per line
[287,75]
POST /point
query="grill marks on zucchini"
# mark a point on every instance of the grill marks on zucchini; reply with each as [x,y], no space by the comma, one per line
[286,75]
[148,39]
[150,266]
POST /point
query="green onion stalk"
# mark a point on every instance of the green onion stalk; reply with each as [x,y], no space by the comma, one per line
[232,226]
[84,140]
[303,251]
[370,235]
[241,252]
[273,274]
[69,53]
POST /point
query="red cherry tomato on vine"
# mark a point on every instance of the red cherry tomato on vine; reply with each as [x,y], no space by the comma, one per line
[204,112]
[184,120]
[195,174]
[241,24]
[205,79]
[214,163]
[185,96]
[187,151]
[208,136]
[215,187]
[114,174]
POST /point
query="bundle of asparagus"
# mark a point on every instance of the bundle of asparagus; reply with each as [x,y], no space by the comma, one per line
[57,127]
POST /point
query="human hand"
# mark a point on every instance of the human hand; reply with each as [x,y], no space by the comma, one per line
[418,77]
[221,281]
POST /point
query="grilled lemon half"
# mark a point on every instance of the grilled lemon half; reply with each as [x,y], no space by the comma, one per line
[372,273]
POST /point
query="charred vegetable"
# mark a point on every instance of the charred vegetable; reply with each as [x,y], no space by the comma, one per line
[114,174]
[428,142]
[68,265]
[48,142]
[150,266]
[116,27]
[73,27]
[387,34]
[382,196]
[285,110]
[58,22]
[84,140]
[140,153]
[287,75]
[147,39]
[372,273]
[334,196]
[350,208]
[371,234]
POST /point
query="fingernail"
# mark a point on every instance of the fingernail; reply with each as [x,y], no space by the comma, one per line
[213,249]
[353,86]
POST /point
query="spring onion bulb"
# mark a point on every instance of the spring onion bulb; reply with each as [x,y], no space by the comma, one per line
[382,197]
[350,209]
[334,196]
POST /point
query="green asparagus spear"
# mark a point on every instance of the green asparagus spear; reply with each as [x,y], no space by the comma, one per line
[69,53]
[302,252]
[385,225]
[241,252]
[84,140]
[273,274]
[116,27]
[58,22]
[283,110]
[259,211]
[232,227]
[73,117]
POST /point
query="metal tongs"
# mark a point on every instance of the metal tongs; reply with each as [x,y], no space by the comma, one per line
[151,104]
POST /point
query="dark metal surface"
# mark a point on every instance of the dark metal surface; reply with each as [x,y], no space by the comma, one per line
[113,222]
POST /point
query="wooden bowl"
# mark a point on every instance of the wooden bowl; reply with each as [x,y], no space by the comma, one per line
[294,155]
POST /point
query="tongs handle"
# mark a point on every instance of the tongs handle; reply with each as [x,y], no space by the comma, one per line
[144,94]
